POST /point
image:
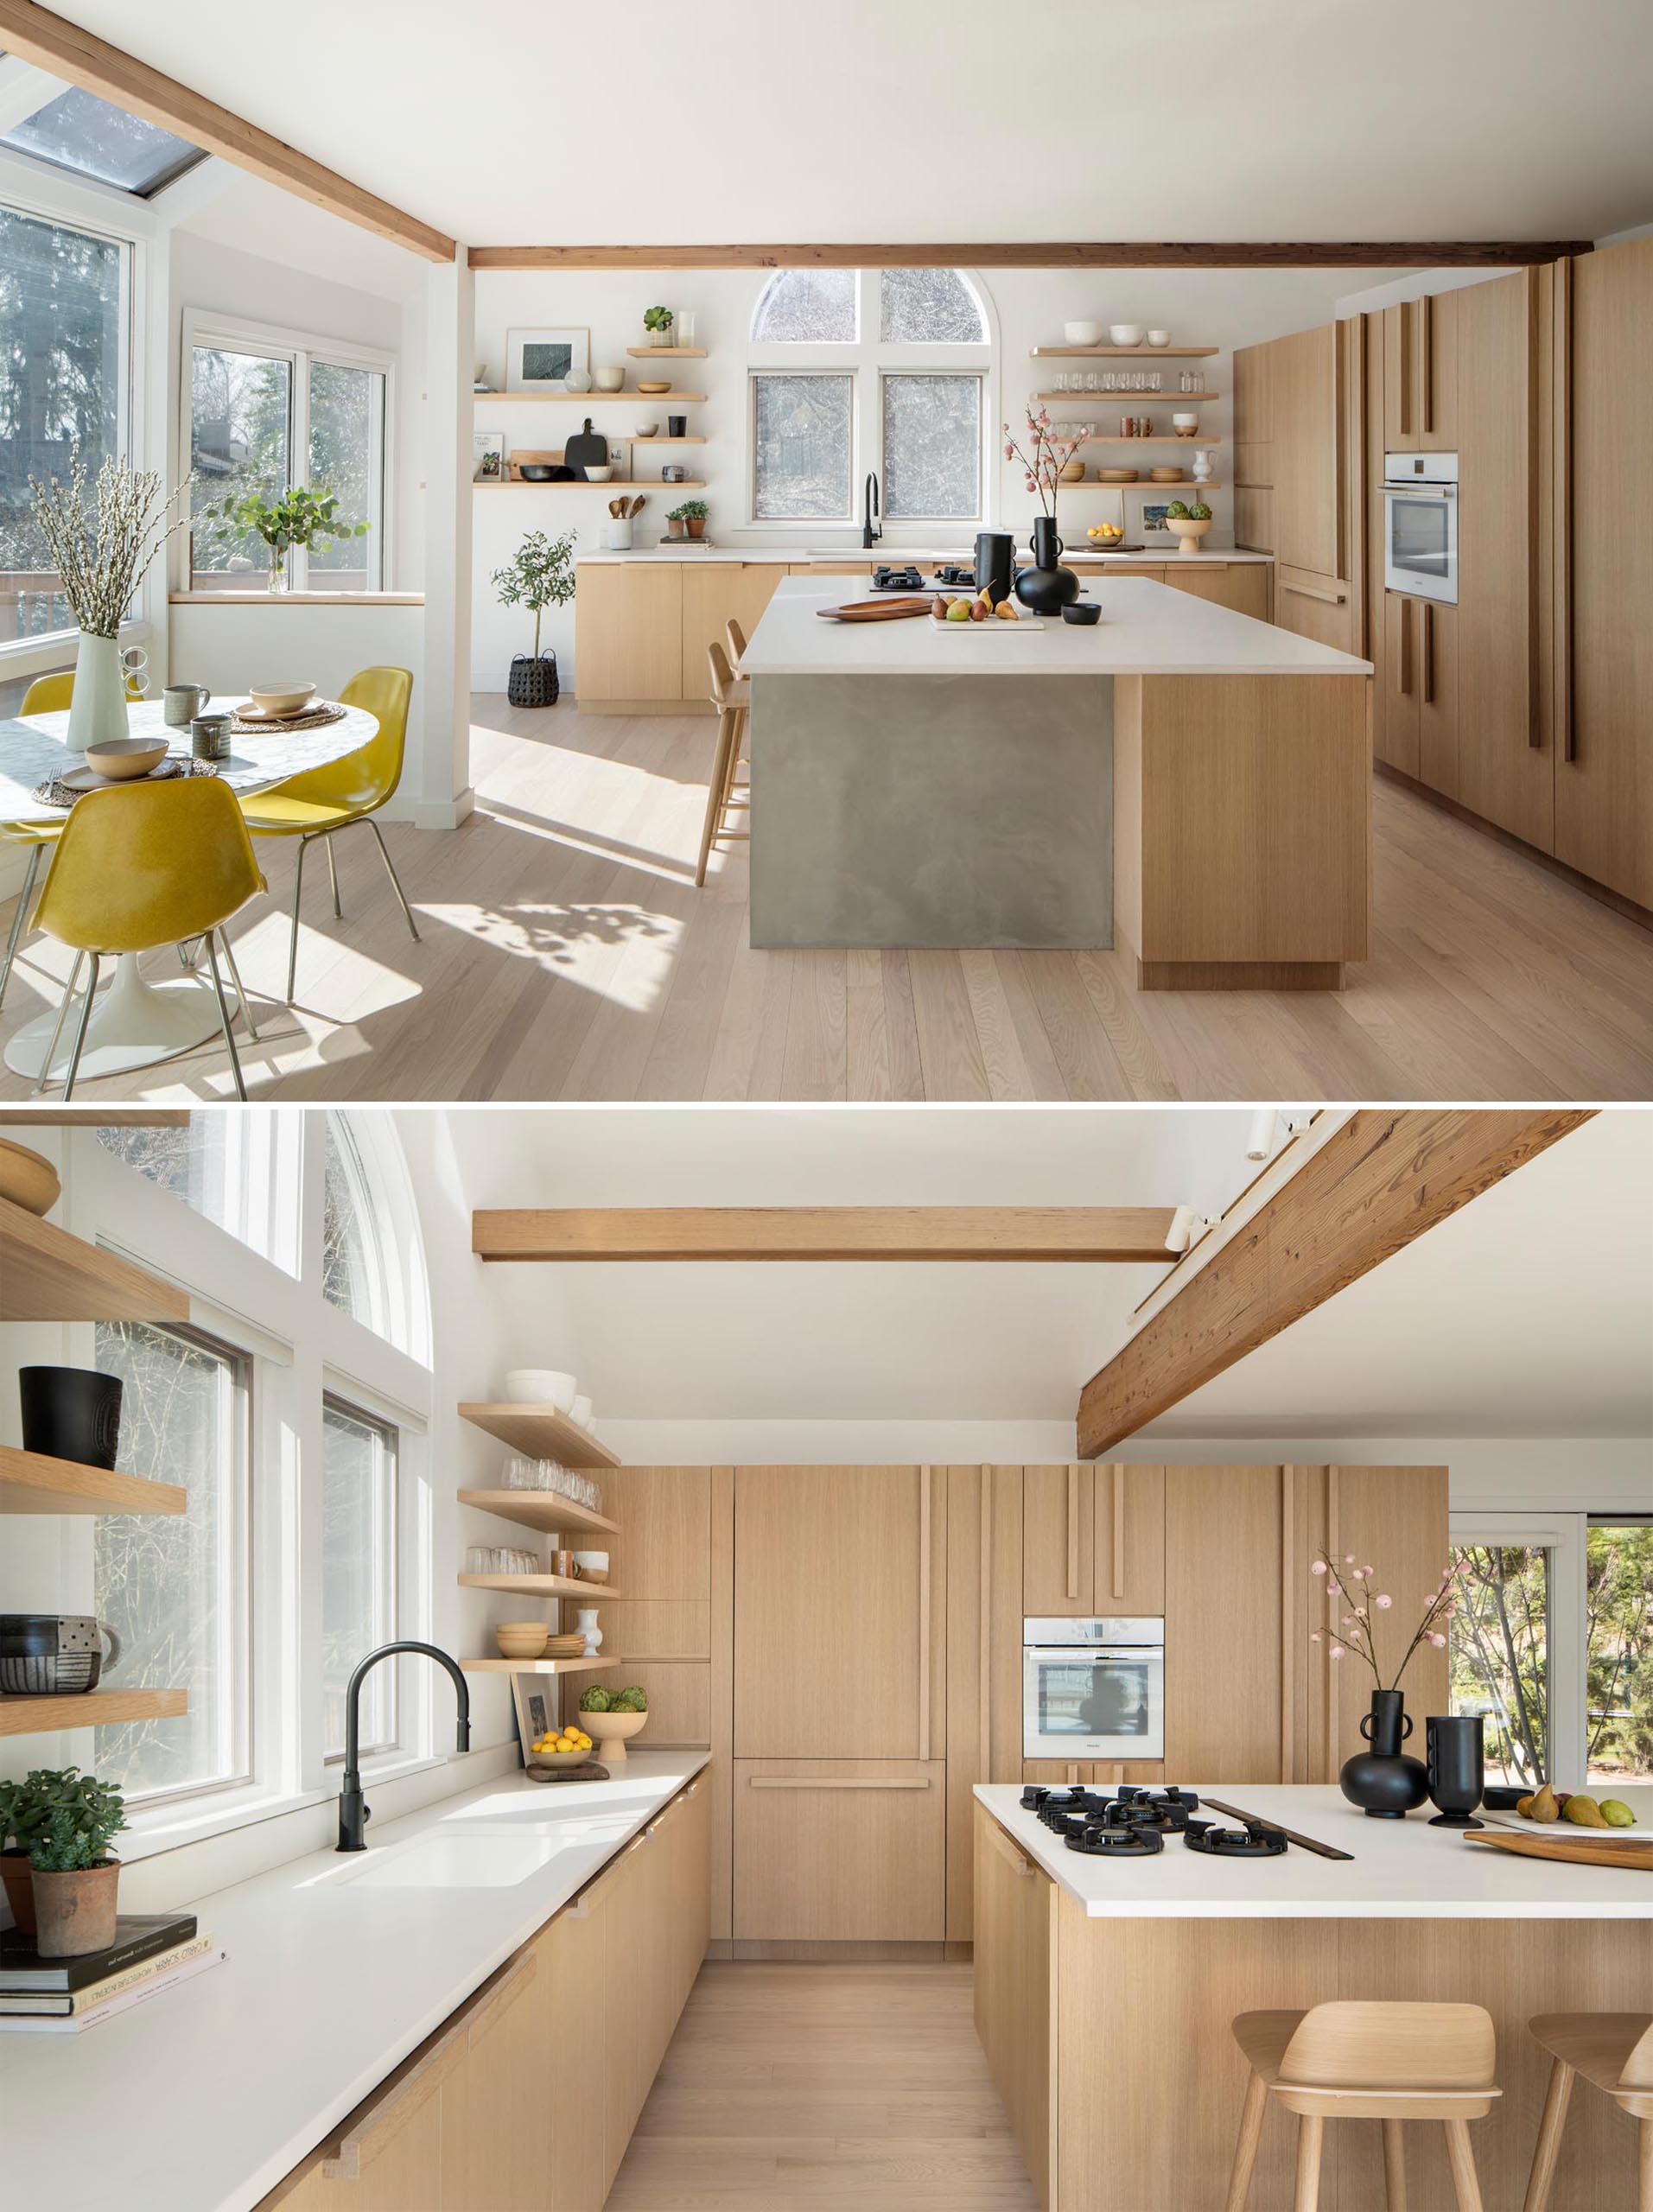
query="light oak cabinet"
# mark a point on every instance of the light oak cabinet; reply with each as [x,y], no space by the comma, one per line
[1415,697]
[836,1851]
[1422,406]
[1242,585]
[628,635]
[710,597]
[1015,1989]
[1300,472]
[1092,1542]
[1224,1563]
[1314,606]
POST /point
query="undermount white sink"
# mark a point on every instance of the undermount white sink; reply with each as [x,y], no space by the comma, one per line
[456,1861]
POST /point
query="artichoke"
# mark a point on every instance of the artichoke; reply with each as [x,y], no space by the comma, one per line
[596,1700]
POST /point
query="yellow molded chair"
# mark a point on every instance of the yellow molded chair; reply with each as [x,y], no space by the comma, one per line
[151,865]
[323,801]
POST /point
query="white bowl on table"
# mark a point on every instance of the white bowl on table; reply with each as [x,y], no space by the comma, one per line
[279,701]
[541,1386]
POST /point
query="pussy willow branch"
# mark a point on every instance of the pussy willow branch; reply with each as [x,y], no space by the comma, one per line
[102,543]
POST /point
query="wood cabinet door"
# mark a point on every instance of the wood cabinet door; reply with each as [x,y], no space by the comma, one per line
[1436,326]
[1395,685]
[1254,518]
[572,1968]
[1127,1573]
[628,631]
[1313,605]
[1223,1543]
[838,1613]
[1059,1574]
[1436,662]
[1244,586]
[1015,1990]
[1401,425]
[710,596]
[628,1913]
[1603,765]
[1307,454]
[839,1851]
[493,2107]
[1393,1519]
[1254,431]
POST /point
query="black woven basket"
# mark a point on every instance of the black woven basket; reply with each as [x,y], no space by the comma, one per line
[533,683]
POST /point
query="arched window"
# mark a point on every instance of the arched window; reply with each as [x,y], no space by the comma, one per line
[855,370]
[372,1257]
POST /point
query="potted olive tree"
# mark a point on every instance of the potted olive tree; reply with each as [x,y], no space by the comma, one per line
[298,517]
[64,1821]
[540,574]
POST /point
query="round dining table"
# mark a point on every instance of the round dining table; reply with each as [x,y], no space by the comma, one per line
[137,1022]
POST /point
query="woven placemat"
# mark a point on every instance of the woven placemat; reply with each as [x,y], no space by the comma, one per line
[55,792]
[312,718]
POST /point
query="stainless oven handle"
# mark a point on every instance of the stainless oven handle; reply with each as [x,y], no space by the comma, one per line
[1442,494]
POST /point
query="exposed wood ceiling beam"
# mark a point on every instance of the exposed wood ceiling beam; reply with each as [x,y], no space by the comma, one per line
[52,42]
[1058,1233]
[1436,253]
[1380,1181]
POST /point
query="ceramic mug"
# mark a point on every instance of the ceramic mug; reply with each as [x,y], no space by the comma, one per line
[181,702]
[53,1655]
[209,736]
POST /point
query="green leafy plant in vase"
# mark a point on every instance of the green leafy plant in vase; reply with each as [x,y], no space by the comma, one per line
[299,517]
[658,322]
[692,515]
[65,1822]
[540,574]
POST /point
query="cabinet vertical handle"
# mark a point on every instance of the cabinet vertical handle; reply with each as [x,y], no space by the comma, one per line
[1426,363]
[1329,1672]
[1072,1532]
[1427,616]
[1403,658]
[984,1631]
[924,1612]
[1290,1640]
[1119,1532]
[1561,532]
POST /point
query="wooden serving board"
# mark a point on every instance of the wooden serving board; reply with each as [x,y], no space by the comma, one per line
[875,610]
[591,1771]
[1637,1856]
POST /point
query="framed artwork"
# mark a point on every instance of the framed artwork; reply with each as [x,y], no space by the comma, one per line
[1153,518]
[535,1699]
[487,456]
[543,360]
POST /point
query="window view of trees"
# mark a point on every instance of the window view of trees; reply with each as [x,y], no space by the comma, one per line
[357,1571]
[804,433]
[62,378]
[1499,1648]
[346,455]
[932,448]
[78,132]
[1618,1653]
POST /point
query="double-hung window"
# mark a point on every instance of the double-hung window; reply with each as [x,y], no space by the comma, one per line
[269,411]
[359,1570]
[866,371]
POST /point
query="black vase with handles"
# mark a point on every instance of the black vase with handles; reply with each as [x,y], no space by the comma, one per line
[1046,588]
[71,1413]
[1456,1765]
[1383,1781]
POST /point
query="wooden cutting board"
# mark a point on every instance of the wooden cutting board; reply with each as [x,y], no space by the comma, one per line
[875,610]
[1637,1856]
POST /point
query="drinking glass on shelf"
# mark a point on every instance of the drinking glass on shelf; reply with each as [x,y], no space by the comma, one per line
[1058,382]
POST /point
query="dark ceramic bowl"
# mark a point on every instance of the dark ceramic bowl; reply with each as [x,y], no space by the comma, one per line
[535,472]
[1082,612]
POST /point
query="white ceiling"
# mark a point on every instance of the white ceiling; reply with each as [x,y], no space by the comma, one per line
[1530,1312]
[740,119]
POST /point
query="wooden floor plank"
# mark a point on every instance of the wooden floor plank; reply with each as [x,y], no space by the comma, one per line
[565,953]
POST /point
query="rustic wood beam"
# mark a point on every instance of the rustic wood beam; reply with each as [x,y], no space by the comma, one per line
[1055,1233]
[1414,253]
[1378,1183]
[54,43]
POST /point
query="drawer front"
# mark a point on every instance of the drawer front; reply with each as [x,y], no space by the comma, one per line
[839,1851]
[1315,605]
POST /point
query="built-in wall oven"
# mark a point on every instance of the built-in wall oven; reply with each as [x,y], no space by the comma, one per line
[1093,1689]
[1421,524]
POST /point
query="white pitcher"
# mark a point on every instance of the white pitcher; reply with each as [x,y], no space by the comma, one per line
[98,708]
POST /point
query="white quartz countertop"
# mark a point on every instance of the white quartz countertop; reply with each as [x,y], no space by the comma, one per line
[1147,629]
[1401,1870]
[1079,555]
[204,2098]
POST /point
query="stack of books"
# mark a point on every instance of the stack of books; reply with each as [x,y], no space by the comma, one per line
[150,1952]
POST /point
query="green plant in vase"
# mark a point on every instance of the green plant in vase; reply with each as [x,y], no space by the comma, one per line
[658,322]
[64,1821]
[692,515]
[540,574]
[299,517]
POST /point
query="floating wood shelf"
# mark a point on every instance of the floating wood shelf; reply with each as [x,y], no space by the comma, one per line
[666,353]
[538,1586]
[1171,438]
[1124,353]
[545,1509]
[1183,484]
[540,1666]
[540,1432]
[583,398]
[32,1483]
[35,1716]
[45,1274]
[614,484]
[635,442]
[1159,398]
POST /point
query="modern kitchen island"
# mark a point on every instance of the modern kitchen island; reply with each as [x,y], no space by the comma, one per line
[1104,1989]
[1179,780]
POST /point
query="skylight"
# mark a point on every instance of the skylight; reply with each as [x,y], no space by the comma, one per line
[79,132]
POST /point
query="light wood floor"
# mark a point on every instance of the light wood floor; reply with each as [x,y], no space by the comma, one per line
[817,2088]
[567,954]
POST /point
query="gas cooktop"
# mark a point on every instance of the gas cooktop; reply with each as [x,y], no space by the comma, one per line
[1135,1821]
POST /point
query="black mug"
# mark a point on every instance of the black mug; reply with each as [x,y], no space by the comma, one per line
[676,426]
[1456,1765]
[71,1413]
[53,1655]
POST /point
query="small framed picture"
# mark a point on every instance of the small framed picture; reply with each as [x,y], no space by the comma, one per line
[487,456]
[543,360]
[535,1699]
[1153,518]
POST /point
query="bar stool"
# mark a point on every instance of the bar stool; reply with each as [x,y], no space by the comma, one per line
[730,696]
[1613,2051]
[737,641]
[1367,2060]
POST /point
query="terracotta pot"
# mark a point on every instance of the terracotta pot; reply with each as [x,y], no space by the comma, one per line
[697,525]
[18,1877]
[75,1913]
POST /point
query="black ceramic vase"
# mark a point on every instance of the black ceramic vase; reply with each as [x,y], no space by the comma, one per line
[533,683]
[1456,1766]
[996,564]
[1046,588]
[1384,1781]
[71,1413]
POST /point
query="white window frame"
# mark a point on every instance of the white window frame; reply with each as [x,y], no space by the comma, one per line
[868,362]
[352,1410]
[1562,1535]
[300,350]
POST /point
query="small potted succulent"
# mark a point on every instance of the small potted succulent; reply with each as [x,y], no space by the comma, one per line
[298,517]
[658,322]
[692,515]
[65,1821]
[1188,521]
[540,574]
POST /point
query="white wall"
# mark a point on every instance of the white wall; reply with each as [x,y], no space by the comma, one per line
[1222,308]
[231,647]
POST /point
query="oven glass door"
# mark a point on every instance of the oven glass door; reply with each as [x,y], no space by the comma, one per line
[1422,545]
[1094,1704]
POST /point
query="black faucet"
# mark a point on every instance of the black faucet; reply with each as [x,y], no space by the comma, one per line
[872,528]
[354,1812]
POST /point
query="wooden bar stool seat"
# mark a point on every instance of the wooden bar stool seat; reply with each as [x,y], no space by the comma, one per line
[1614,2053]
[1359,2060]
[732,698]
[737,642]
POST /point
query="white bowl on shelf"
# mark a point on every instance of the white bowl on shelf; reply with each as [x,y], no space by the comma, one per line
[541,1386]
[581,1412]
[608,379]
[1159,338]
[1125,334]
[1082,333]
[598,472]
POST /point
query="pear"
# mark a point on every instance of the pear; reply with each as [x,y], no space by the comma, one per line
[1617,1814]
[1583,1813]
[1544,1807]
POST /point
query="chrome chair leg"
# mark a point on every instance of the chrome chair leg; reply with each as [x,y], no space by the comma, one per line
[63,1006]
[223,1021]
[80,1033]
[406,910]
[333,871]
[240,988]
[188,953]
[19,919]
[298,886]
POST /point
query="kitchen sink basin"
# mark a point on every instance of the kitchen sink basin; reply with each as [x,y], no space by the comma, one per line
[479,1860]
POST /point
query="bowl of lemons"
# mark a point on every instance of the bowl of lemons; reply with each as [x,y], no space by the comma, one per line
[568,1746]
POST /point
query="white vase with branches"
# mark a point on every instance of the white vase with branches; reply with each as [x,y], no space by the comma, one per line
[102,538]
